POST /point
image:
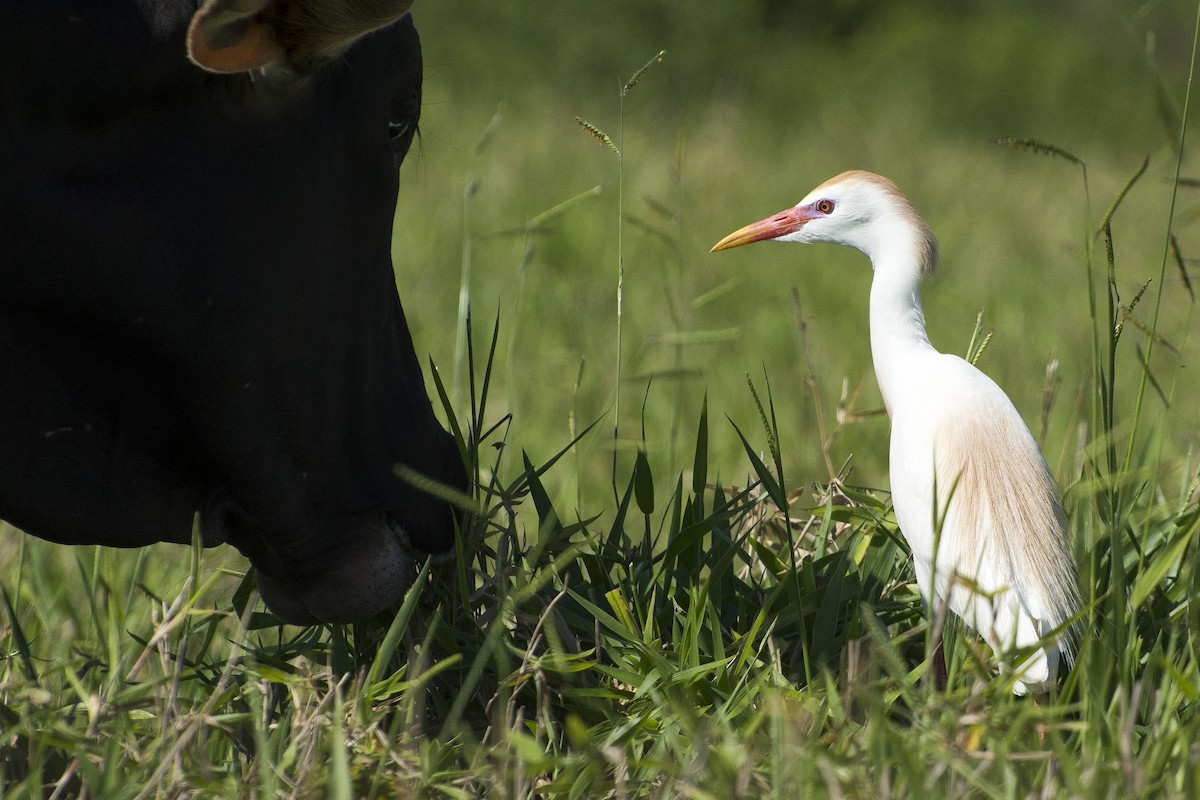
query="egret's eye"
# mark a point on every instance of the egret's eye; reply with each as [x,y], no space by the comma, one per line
[825,206]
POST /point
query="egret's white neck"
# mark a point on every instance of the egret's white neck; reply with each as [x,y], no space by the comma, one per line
[897,322]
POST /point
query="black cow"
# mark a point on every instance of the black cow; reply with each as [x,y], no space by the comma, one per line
[198,312]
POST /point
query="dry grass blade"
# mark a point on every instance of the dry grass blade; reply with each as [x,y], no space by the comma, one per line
[195,723]
[847,408]
[765,522]
[1049,394]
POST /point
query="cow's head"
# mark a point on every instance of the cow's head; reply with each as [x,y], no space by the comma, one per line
[199,311]
[333,527]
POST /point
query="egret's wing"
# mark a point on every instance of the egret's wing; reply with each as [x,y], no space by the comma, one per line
[980,512]
[1010,531]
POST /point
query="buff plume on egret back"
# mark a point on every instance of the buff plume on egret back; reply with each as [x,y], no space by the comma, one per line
[1001,559]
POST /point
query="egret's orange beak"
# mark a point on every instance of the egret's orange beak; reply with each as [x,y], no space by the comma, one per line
[772,227]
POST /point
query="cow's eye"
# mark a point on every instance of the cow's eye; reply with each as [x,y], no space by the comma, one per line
[400,135]
[397,129]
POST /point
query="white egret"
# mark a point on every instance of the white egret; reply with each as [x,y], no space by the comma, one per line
[972,492]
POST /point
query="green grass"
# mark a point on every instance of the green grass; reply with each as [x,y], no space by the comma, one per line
[717,604]
[740,120]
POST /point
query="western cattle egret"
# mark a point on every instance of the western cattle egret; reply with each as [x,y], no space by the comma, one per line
[972,492]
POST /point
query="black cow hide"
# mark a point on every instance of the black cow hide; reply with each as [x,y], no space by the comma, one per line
[198,313]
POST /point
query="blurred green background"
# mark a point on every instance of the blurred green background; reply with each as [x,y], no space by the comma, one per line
[753,104]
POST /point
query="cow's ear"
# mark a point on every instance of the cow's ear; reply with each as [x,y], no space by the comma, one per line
[234,36]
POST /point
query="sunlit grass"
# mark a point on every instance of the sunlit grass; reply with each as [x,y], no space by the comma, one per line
[712,147]
[730,610]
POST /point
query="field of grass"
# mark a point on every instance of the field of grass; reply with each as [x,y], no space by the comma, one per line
[686,579]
